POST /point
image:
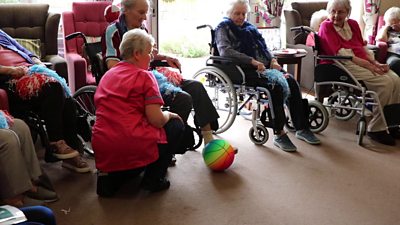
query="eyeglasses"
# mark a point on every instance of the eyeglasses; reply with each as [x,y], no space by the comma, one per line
[340,13]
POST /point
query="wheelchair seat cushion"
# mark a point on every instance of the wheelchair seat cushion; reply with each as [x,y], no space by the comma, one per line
[330,72]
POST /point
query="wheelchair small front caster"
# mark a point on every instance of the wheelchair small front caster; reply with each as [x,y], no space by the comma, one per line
[259,136]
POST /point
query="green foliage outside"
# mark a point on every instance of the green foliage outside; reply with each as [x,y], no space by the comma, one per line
[185,47]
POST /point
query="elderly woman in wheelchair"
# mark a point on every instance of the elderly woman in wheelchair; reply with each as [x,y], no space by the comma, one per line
[237,39]
[192,93]
[339,35]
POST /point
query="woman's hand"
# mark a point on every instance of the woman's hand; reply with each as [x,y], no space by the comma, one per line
[259,65]
[275,64]
[17,71]
[37,61]
[173,62]
[174,116]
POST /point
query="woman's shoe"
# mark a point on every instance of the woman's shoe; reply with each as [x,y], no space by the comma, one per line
[382,137]
[43,194]
[76,164]
[62,150]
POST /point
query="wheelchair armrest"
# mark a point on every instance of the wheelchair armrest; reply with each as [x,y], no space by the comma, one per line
[232,61]
[334,57]
[157,63]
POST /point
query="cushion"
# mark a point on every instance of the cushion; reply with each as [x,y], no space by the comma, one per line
[32,45]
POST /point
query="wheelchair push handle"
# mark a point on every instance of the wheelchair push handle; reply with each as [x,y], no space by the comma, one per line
[75,35]
[204,26]
[302,29]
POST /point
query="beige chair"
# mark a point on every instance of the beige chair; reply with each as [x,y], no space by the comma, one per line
[300,15]
[35,22]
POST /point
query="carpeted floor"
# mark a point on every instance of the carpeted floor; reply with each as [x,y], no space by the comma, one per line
[338,182]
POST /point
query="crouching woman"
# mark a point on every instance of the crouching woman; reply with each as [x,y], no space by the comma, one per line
[131,133]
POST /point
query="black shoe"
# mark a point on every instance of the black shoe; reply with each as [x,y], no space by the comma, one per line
[160,185]
[382,137]
[395,133]
[106,186]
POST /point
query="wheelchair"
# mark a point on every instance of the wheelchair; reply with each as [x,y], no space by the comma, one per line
[343,95]
[85,95]
[224,79]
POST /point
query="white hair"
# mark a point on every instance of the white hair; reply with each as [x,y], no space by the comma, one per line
[391,13]
[317,18]
[135,40]
[127,4]
[233,3]
[343,3]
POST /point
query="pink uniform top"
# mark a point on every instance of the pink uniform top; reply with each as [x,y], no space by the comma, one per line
[122,136]
[331,42]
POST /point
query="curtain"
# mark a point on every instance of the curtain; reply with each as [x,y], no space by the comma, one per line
[370,17]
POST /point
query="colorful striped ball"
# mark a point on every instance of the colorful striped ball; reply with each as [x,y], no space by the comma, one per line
[218,155]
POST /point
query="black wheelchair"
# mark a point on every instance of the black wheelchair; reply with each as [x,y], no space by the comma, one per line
[85,95]
[343,95]
[224,79]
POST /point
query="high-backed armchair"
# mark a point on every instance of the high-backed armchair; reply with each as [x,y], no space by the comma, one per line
[35,22]
[300,15]
[88,18]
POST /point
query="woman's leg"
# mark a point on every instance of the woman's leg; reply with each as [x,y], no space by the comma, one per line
[296,105]
[180,103]
[394,62]
[206,114]
[69,119]
[15,178]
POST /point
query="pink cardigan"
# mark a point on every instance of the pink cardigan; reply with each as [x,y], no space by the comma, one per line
[331,41]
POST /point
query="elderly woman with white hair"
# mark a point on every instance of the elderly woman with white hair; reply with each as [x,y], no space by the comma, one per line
[240,40]
[131,133]
[390,33]
[340,35]
[189,94]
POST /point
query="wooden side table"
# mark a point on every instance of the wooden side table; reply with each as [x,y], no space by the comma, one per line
[292,59]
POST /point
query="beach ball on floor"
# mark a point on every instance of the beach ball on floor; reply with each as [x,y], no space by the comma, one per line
[218,155]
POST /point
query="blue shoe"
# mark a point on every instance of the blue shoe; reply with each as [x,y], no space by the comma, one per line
[283,142]
[307,136]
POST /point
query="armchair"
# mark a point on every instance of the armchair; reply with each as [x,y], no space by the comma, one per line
[300,15]
[382,46]
[35,22]
[88,18]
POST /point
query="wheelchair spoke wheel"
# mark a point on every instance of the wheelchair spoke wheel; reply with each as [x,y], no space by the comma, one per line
[341,105]
[318,117]
[86,112]
[222,94]
[361,130]
[260,135]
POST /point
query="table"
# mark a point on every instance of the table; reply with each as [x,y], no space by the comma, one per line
[292,59]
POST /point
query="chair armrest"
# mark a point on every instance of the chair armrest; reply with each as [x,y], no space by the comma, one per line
[58,64]
[3,100]
[382,51]
[51,33]
[76,70]
[230,61]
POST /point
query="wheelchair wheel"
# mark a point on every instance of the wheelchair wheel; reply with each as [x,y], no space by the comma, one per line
[86,114]
[339,100]
[221,92]
[259,136]
[318,117]
[361,130]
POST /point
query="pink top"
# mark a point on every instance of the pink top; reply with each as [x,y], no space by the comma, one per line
[331,41]
[11,58]
[122,136]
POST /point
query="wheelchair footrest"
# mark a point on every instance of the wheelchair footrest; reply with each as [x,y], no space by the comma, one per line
[392,113]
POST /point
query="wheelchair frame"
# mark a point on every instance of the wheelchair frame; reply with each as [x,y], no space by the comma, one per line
[349,95]
[85,95]
[213,77]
